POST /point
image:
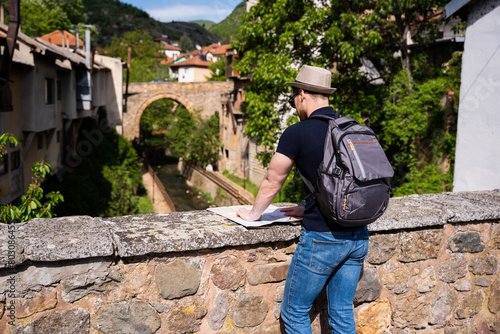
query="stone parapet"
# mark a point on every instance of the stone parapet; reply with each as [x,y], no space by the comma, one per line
[432,267]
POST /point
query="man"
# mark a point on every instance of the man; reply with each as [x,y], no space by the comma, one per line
[327,254]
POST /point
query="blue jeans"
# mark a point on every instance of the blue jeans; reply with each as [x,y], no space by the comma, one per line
[331,259]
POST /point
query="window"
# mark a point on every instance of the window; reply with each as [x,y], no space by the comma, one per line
[15,159]
[49,91]
[4,165]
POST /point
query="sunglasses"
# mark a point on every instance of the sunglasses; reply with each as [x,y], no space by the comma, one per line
[291,100]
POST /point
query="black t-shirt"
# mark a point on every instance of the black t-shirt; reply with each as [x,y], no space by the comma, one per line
[303,143]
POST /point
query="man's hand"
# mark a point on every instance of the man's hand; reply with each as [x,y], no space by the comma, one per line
[246,214]
[296,211]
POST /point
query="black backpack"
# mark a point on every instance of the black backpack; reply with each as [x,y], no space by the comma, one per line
[353,185]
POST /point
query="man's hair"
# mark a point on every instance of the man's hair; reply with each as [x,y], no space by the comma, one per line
[314,95]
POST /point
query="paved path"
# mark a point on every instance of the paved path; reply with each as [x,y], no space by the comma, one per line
[160,204]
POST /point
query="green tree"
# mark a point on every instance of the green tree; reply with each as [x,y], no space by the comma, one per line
[217,70]
[193,138]
[204,143]
[40,17]
[186,44]
[419,132]
[32,204]
[145,58]
[158,116]
[358,41]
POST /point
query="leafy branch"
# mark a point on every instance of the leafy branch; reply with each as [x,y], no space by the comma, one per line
[31,204]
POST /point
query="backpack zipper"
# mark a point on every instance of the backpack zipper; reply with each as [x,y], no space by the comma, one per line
[362,169]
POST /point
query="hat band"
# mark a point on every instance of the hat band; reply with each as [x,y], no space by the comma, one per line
[308,84]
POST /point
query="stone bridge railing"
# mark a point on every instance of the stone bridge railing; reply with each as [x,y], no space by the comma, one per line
[432,268]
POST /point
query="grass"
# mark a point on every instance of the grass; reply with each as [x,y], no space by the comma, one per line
[145,205]
[241,182]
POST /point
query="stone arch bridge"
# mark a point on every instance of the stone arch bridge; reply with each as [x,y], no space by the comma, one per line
[206,97]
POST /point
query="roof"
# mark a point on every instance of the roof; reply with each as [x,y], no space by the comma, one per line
[55,37]
[173,60]
[64,56]
[171,47]
[456,6]
[193,62]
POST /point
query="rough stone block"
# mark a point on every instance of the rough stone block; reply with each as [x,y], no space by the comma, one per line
[411,310]
[494,300]
[420,245]
[267,273]
[453,269]
[484,265]
[177,279]
[249,310]
[442,305]
[396,277]
[412,212]
[470,206]
[174,232]
[35,302]
[219,313]
[495,236]
[369,286]
[137,279]
[426,280]
[373,318]
[470,305]
[73,321]
[65,238]
[83,279]
[186,318]
[382,248]
[466,242]
[228,273]
[126,318]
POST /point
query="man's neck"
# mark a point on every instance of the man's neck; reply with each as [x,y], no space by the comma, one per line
[316,106]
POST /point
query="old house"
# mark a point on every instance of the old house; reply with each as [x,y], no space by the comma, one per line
[170,50]
[194,69]
[238,152]
[51,89]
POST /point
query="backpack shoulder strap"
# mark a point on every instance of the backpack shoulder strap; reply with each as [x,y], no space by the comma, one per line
[308,183]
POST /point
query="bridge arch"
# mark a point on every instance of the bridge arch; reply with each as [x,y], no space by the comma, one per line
[164,95]
[206,97]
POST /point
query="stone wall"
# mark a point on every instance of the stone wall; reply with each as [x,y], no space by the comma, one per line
[432,267]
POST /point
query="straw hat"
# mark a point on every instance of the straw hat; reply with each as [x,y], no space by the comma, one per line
[314,79]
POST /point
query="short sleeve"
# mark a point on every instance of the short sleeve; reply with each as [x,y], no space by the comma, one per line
[290,142]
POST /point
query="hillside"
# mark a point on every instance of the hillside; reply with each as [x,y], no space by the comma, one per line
[113,18]
[229,27]
[204,23]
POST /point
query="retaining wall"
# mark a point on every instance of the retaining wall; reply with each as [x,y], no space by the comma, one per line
[432,268]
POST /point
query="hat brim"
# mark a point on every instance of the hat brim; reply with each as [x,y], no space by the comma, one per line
[312,88]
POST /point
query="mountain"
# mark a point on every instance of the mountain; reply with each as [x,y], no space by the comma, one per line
[114,18]
[229,27]
[204,23]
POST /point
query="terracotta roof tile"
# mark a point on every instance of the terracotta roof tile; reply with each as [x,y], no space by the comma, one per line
[171,47]
[195,61]
[55,37]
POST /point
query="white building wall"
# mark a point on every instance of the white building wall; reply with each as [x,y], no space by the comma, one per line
[477,159]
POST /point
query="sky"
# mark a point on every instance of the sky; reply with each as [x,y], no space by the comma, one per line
[186,10]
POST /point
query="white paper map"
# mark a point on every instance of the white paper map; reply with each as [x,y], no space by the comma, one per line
[271,215]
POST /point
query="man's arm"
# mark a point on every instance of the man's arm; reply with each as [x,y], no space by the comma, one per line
[279,168]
